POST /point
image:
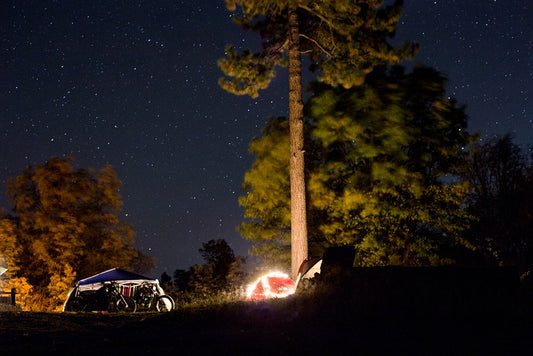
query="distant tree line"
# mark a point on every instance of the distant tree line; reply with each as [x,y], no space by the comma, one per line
[221,278]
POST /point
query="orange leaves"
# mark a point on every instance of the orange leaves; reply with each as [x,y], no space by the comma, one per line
[65,225]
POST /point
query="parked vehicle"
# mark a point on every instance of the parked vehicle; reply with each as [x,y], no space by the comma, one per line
[108,298]
[117,290]
[148,297]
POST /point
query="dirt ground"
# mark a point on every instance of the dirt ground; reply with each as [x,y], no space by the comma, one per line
[264,328]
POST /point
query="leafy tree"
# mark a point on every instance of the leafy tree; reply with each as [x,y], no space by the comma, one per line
[202,281]
[502,201]
[220,278]
[379,153]
[344,40]
[165,280]
[65,225]
[237,273]
[219,255]
[181,279]
[386,146]
[267,199]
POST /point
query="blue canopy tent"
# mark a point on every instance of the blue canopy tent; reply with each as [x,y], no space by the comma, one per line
[116,274]
[127,281]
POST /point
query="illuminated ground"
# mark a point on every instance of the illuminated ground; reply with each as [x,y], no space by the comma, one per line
[273,327]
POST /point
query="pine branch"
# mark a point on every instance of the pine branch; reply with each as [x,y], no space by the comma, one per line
[317,44]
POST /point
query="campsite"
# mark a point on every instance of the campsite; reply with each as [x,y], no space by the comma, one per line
[117,290]
[356,311]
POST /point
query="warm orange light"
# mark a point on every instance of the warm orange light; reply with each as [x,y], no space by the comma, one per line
[271,285]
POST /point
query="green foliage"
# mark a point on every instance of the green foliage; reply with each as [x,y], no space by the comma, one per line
[251,72]
[268,203]
[377,158]
[385,148]
[64,226]
[345,40]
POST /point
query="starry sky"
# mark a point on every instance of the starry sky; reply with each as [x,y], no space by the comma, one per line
[134,84]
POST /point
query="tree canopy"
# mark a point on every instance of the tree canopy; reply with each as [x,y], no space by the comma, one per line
[377,158]
[65,225]
[344,40]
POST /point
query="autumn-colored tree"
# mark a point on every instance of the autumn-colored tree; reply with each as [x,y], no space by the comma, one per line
[344,39]
[64,226]
[379,153]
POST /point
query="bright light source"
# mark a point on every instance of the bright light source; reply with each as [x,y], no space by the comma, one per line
[271,285]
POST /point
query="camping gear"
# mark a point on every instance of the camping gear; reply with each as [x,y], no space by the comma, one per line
[121,276]
[103,290]
[148,298]
[309,269]
[271,285]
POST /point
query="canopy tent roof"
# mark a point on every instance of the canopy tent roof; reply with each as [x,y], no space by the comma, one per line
[116,274]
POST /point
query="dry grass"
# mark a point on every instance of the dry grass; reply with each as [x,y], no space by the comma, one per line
[293,326]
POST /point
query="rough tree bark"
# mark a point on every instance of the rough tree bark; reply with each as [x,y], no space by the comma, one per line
[296,127]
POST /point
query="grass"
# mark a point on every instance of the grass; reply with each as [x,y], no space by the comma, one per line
[302,325]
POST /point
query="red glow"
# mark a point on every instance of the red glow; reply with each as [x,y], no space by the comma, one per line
[271,285]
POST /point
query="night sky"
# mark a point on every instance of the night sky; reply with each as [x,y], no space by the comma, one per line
[134,84]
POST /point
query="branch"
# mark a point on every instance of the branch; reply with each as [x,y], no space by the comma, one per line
[325,20]
[308,9]
[317,44]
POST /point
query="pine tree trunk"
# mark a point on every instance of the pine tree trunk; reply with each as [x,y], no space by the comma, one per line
[296,129]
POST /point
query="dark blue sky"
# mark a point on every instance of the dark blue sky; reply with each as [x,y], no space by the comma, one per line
[134,84]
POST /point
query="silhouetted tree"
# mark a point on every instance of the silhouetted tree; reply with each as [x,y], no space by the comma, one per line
[344,41]
[237,273]
[219,255]
[181,279]
[218,279]
[166,280]
[502,201]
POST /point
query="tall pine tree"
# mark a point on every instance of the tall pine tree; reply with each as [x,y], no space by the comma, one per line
[344,39]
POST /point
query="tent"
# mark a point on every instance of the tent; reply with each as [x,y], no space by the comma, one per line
[116,274]
[91,286]
[271,285]
[309,269]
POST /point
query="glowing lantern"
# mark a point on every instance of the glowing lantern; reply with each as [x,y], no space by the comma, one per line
[271,285]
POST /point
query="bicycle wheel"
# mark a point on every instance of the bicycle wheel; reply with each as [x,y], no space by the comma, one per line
[76,305]
[164,303]
[126,305]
